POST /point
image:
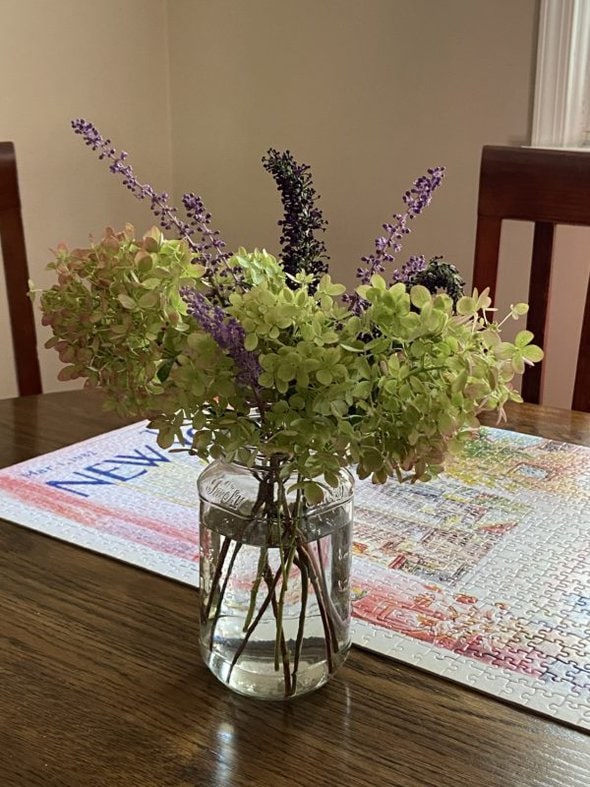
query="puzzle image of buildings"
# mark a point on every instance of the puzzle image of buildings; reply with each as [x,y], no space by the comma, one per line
[488,565]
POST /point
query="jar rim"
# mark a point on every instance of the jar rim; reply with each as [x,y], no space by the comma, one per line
[266,466]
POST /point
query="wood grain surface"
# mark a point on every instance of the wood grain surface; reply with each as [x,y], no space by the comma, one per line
[101,684]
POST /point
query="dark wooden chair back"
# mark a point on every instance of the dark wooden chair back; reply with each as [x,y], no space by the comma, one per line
[546,187]
[16,274]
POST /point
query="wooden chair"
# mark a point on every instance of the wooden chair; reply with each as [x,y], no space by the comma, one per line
[22,322]
[547,187]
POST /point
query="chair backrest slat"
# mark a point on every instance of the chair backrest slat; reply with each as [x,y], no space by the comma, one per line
[582,382]
[16,273]
[547,188]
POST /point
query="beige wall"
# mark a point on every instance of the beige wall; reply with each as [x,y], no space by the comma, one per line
[369,92]
[106,61]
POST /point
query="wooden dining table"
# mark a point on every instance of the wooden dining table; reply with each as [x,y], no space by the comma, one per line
[101,683]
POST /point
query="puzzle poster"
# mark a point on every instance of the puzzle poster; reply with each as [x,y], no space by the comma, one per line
[481,576]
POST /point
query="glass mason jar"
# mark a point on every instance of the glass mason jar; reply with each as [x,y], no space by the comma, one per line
[274,579]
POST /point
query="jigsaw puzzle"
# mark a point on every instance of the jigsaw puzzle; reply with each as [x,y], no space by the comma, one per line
[481,576]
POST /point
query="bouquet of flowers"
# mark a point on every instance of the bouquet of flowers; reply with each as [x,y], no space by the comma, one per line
[268,362]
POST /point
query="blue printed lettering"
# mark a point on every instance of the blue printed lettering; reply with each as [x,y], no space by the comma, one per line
[138,458]
[89,480]
[110,471]
[117,472]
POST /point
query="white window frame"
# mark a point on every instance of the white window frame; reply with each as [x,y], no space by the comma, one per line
[561,112]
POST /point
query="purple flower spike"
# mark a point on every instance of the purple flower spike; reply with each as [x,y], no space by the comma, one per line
[390,244]
[227,332]
[159,202]
[413,266]
[420,195]
[211,246]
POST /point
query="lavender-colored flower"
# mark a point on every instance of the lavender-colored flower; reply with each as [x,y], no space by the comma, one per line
[409,270]
[227,332]
[210,248]
[390,244]
[420,195]
[211,245]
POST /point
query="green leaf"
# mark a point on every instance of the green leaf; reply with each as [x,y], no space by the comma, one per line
[282,386]
[378,282]
[466,306]
[518,364]
[484,301]
[459,382]
[313,492]
[251,342]
[165,369]
[165,438]
[266,380]
[339,408]
[285,372]
[302,378]
[148,299]
[446,424]
[533,353]
[335,289]
[523,338]
[151,284]
[504,350]
[297,402]
[372,460]
[67,373]
[420,296]
[126,302]
[332,479]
